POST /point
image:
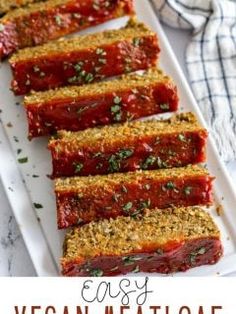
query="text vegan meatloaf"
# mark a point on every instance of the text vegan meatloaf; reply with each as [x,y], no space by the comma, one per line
[167,241]
[40,22]
[84,199]
[84,59]
[153,144]
[76,108]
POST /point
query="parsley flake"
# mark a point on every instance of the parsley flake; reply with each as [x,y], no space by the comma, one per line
[97,272]
[187,190]
[165,106]
[58,20]
[127,206]
[78,167]
[38,206]
[117,100]
[23,160]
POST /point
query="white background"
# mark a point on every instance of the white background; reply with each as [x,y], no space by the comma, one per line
[173,292]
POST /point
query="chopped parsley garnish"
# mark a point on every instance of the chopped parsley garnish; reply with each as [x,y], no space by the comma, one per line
[187,190]
[161,163]
[98,154]
[125,153]
[76,15]
[78,167]
[118,116]
[102,60]
[19,151]
[58,20]
[159,252]
[148,162]
[136,42]
[82,109]
[170,185]
[145,204]
[78,66]
[72,79]
[38,206]
[101,52]
[99,166]
[89,78]
[147,186]
[16,139]
[115,160]
[114,268]
[124,189]
[136,269]
[97,272]
[130,260]
[35,176]
[182,138]
[23,160]
[165,106]
[36,69]
[193,256]
[114,164]
[115,108]
[115,197]
[127,206]
[117,100]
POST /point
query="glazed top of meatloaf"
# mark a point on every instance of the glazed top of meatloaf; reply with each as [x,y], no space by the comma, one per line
[133,29]
[124,234]
[104,181]
[127,81]
[98,137]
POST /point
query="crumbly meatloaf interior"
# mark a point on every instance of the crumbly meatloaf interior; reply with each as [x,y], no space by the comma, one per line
[124,234]
[6,5]
[132,30]
[129,81]
[99,136]
[91,182]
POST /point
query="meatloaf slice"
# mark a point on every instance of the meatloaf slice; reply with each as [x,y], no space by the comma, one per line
[84,199]
[77,108]
[153,144]
[176,239]
[84,59]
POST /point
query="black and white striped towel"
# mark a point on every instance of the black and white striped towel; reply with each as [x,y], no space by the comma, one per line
[210,60]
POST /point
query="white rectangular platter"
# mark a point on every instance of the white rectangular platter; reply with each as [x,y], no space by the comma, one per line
[27,183]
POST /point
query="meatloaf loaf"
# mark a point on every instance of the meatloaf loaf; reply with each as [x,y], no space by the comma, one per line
[84,199]
[77,108]
[133,146]
[160,241]
[40,22]
[84,59]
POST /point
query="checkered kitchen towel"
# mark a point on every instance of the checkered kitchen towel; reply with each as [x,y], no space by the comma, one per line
[210,60]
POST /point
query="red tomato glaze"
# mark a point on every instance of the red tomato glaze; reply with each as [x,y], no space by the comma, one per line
[147,152]
[82,113]
[171,258]
[51,23]
[84,66]
[131,199]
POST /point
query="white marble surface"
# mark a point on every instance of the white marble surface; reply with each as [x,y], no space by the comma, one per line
[14,258]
